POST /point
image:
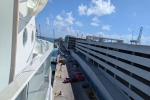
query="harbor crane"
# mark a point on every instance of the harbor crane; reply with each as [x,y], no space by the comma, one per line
[54,33]
[138,40]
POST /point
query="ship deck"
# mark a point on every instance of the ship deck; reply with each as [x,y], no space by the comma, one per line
[110,87]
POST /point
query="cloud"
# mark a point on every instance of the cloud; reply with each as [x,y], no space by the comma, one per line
[58,17]
[70,30]
[94,24]
[126,37]
[70,18]
[47,21]
[95,21]
[129,29]
[77,31]
[97,7]
[64,21]
[106,27]
[78,23]
[99,34]
[84,34]
[82,9]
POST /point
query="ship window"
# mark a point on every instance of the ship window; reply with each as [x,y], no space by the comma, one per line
[101,67]
[110,64]
[24,37]
[122,81]
[147,82]
[140,93]
[123,70]
[32,36]
[110,73]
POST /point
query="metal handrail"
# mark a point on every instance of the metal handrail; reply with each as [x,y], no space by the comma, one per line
[15,87]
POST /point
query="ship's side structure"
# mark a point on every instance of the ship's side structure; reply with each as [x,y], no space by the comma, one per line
[24,60]
[113,68]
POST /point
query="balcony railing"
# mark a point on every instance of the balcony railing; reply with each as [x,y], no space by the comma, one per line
[34,82]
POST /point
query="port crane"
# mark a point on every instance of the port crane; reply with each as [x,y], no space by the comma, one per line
[138,40]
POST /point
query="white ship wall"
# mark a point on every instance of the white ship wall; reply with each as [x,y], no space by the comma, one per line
[24,51]
[8,36]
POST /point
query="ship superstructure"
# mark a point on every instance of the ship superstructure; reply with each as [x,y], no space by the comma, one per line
[115,70]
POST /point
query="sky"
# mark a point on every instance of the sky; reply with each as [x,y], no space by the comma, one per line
[107,18]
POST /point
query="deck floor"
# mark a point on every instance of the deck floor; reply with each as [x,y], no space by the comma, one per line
[79,92]
[65,88]
[70,91]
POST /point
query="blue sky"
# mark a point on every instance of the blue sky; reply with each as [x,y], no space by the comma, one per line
[108,18]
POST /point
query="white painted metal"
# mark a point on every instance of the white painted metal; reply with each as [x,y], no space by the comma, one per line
[6,36]
[35,8]
[14,89]
[26,20]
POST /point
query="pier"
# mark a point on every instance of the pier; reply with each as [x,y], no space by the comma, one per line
[62,91]
[70,90]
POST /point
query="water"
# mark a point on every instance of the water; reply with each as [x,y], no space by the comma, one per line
[48,39]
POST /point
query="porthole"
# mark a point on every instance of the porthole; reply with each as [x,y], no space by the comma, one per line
[32,36]
[25,37]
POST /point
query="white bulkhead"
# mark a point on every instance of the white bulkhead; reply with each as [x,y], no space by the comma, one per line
[26,36]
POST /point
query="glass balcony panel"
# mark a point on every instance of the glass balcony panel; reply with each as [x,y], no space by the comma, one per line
[37,87]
